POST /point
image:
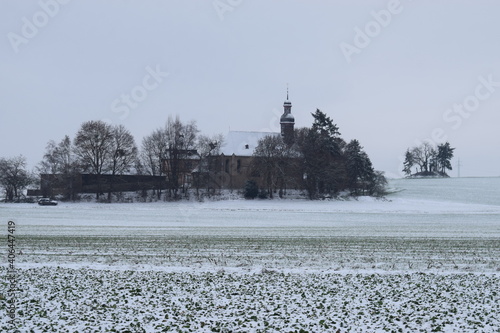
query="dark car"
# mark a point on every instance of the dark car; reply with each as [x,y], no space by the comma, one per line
[47,202]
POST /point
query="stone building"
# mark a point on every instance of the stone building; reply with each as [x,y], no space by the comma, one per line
[236,156]
[232,167]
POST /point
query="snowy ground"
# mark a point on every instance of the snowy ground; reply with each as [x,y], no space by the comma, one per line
[428,258]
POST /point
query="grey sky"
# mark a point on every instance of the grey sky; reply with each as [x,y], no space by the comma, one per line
[418,70]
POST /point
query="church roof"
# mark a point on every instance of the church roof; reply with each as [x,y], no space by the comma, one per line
[242,143]
[287,118]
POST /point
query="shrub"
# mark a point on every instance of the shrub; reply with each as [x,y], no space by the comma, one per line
[251,189]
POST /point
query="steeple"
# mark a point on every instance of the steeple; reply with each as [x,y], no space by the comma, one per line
[287,121]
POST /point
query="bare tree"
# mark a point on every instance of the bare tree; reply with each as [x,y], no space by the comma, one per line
[67,160]
[181,150]
[60,163]
[94,148]
[168,151]
[14,177]
[153,149]
[51,162]
[123,154]
[424,156]
[275,160]
[210,145]
[267,158]
[208,152]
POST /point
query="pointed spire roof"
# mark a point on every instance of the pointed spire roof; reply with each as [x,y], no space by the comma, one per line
[287,116]
[287,102]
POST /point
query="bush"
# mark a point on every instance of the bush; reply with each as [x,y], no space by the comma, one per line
[251,189]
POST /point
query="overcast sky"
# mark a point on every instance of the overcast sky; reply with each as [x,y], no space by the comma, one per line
[389,73]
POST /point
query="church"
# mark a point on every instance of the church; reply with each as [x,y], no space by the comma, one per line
[229,169]
[233,167]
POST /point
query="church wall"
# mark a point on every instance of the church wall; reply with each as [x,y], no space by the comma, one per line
[235,171]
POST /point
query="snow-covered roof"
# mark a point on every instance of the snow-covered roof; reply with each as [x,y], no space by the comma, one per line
[241,143]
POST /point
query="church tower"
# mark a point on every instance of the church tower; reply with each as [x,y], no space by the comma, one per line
[287,121]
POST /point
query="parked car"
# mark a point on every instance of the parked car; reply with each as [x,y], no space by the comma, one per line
[47,202]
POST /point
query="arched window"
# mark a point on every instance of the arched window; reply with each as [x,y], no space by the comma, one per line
[238,166]
[226,167]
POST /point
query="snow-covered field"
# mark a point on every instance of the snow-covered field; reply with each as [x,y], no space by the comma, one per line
[426,259]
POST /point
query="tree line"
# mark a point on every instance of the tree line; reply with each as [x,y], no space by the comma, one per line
[99,148]
[428,160]
[326,163]
[318,160]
